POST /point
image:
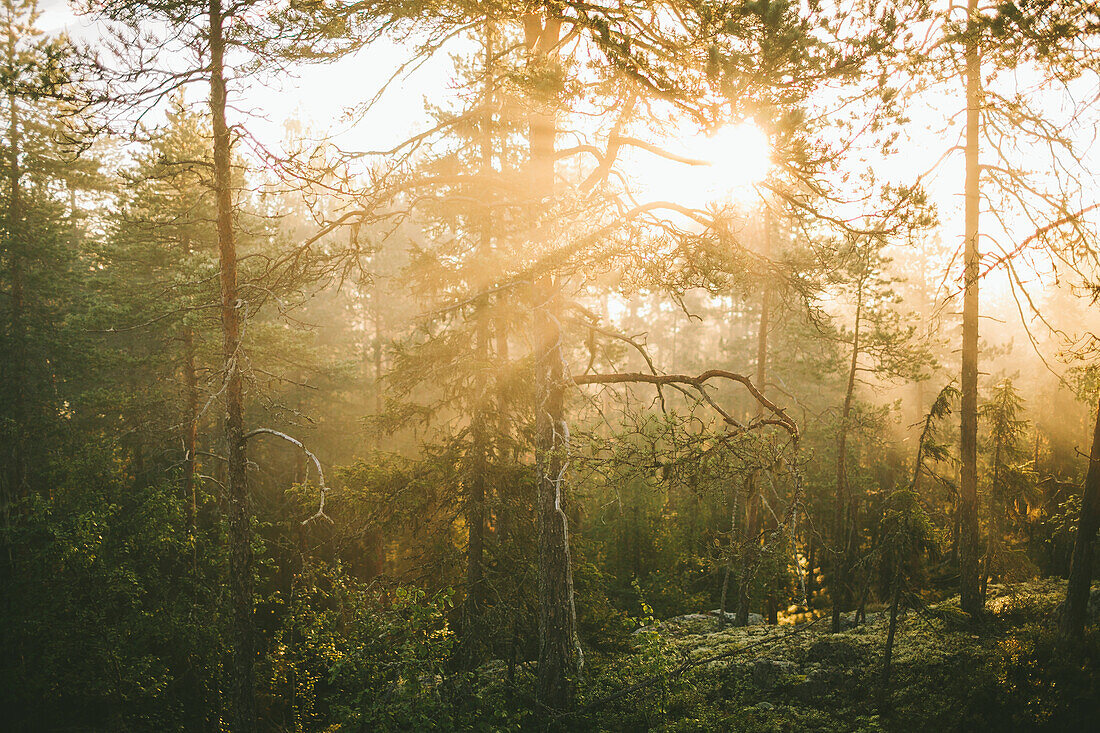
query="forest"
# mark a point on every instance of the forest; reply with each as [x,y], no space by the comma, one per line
[578,365]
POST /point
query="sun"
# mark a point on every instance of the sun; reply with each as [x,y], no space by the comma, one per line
[740,156]
[736,158]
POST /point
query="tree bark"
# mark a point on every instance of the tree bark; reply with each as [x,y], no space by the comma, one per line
[888,655]
[811,570]
[559,652]
[970,597]
[242,702]
[1075,612]
[735,525]
[751,543]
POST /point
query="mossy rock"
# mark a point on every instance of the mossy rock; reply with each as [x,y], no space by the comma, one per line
[837,649]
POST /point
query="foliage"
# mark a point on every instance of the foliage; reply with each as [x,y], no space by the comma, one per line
[358,657]
[117,625]
[389,301]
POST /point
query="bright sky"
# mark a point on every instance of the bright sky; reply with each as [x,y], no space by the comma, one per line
[318,96]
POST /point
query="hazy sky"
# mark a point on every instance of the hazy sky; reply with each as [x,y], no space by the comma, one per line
[318,95]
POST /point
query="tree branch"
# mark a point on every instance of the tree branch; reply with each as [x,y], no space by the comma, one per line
[320,514]
[782,419]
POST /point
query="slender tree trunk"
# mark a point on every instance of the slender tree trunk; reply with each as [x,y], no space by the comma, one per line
[726,572]
[16,377]
[242,702]
[191,440]
[479,465]
[990,561]
[475,519]
[191,435]
[970,598]
[1075,611]
[379,404]
[735,515]
[752,523]
[842,509]
[771,601]
[559,652]
[751,543]
[888,655]
[811,570]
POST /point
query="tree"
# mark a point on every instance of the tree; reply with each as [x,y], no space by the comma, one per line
[585,222]
[1011,487]
[208,32]
[1005,124]
[1075,609]
[878,336]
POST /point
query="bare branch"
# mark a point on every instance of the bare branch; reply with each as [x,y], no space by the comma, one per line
[320,514]
[782,419]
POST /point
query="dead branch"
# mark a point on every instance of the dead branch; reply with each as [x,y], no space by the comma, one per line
[782,419]
[320,514]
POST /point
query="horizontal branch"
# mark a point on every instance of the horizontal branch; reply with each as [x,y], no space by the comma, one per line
[1069,219]
[783,420]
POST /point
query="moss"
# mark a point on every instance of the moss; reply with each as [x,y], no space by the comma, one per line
[1007,672]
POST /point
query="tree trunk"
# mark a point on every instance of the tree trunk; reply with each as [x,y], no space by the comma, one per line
[379,403]
[475,519]
[888,655]
[242,703]
[559,653]
[16,377]
[1075,611]
[811,571]
[842,509]
[475,502]
[969,596]
[752,523]
[190,439]
[735,515]
[751,543]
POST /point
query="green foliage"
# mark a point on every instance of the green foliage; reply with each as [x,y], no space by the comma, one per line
[117,625]
[115,585]
[359,657]
[1012,483]
[1011,674]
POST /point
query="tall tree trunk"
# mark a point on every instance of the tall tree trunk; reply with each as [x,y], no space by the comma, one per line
[191,435]
[475,519]
[990,561]
[242,701]
[752,505]
[970,598]
[888,655]
[479,463]
[842,509]
[735,525]
[559,652]
[16,376]
[750,556]
[1075,611]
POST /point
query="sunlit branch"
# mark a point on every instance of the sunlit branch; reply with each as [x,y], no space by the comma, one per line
[781,419]
[1070,219]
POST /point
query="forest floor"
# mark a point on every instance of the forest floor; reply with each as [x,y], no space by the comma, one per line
[1006,672]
